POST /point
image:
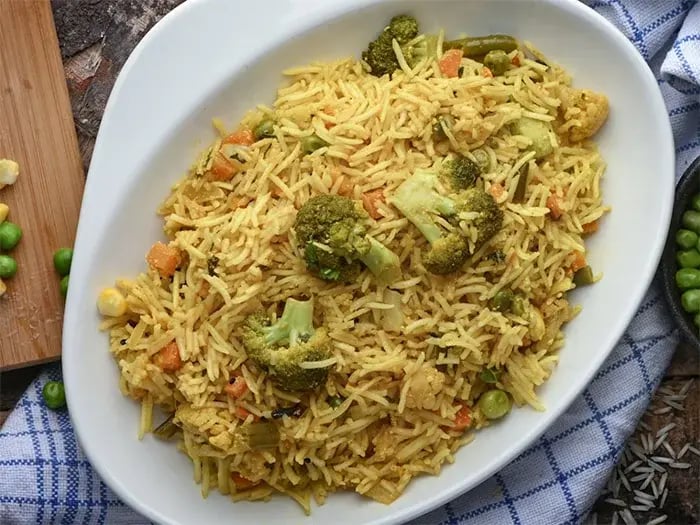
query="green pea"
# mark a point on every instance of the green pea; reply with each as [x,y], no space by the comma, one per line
[503,300]
[63,286]
[312,143]
[497,61]
[335,401]
[488,375]
[264,130]
[687,278]
[10,235]
[691,301]
[8,267]
[695,202]
[691,220]
[62,260]
[494,404]
[686,239]
[696,320]
[54,395]
[688,259]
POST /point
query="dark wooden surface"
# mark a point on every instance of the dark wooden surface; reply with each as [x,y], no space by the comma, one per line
[96,37]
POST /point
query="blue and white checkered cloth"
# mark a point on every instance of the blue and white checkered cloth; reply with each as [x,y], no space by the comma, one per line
[46,479]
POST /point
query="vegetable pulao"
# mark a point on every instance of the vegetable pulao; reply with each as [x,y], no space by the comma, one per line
[360,277]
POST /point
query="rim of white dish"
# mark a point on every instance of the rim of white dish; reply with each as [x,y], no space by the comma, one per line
[333,10]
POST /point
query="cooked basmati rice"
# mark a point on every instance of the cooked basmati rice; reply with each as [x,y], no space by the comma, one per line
[401,389]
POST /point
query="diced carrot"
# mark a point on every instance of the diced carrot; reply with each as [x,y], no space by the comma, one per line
[579,262]
[168,358]
[515,61]
[222,168]
[371,200]
[243,413]
[486,73]
[345,188]
[590,227]
[243,137]
[497,191]
[238,388]
[463,418]
[237,202]
[450,61]
[164,259]
[555,210]
[241,482]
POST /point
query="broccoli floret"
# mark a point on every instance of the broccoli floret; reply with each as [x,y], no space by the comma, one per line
[461,172]
[281,348]
[403,28]
[380,54]
[417,199]
[481,211]
[332,230]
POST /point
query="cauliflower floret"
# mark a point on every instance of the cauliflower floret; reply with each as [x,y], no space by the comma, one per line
[426,385]
[588,108]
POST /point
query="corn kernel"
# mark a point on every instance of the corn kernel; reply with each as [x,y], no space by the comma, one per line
[9,171]
[3,288]
[111,303]
[4,212]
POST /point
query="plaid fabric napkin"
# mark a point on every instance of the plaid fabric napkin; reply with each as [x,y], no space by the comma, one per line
[46,479]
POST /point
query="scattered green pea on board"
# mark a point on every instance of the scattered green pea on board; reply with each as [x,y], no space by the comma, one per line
[688,259]
[54,395]
[62,259]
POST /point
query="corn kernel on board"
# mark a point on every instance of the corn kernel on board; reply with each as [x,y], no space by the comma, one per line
[36,130]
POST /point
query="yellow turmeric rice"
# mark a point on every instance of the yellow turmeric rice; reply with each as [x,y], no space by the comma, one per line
[409,361]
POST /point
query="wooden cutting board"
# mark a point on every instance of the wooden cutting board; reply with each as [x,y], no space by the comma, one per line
[36,130]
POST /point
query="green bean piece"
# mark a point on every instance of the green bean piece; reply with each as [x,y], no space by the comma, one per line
[695,202]
[503,301]
[584,276]
[442,123]
[519,193]
[8,267]
[686,239]
[262,435]
[488,375]
[312,143]
[690,300]
[54,394]
[264,130]
[166,430]
[481,45]
[335,401]
[10,235]
[687,278]
[691,220]
[497,61]
[494,404]
[688,258]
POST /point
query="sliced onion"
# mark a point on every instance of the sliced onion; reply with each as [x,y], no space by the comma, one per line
[392,319]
